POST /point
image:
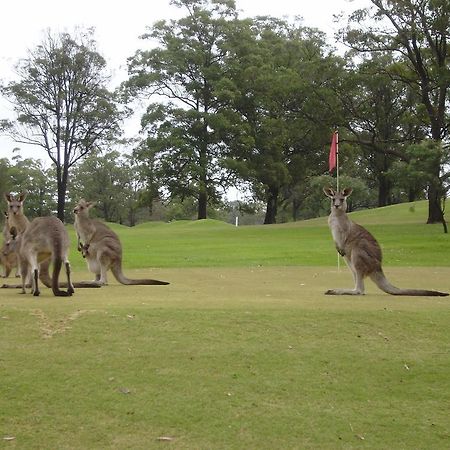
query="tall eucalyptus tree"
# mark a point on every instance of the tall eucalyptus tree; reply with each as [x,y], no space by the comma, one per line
[418,33]
[183,73]
[62,102]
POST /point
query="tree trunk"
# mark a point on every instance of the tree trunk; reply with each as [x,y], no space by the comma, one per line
[272,205]
[435,212]
[384,188]
[202,204]
[61,201]
[296,205]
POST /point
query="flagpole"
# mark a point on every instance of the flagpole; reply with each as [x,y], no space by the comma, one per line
[337,160]
[337,185]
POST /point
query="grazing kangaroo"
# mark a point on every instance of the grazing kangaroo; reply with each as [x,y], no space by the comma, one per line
[44,238]
[102,248]
[361,251]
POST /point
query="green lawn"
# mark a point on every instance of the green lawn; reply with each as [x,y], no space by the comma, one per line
[403,235]
[241,351]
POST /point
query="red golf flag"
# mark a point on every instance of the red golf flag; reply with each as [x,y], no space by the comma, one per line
[332,159]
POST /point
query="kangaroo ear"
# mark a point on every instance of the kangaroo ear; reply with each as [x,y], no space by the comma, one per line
[90,204]
[328,192]
[23,196]
[347,191]
[7,196]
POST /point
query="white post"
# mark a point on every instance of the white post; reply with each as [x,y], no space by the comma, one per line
[337,186]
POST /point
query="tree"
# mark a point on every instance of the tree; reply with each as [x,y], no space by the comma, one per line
[418,169]
[278,79]
[185,70]
[62,102]
[417,32]
[31,176]
[106,178]
[382,117]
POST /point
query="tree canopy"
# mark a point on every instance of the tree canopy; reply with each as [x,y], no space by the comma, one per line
[62,102]
[243,103]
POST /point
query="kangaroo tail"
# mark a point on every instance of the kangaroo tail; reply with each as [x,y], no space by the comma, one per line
[116,269]
[382,282]
[44,276]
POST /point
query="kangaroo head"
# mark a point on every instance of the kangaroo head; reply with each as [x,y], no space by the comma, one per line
[15,204]
[338,199]
[83,207]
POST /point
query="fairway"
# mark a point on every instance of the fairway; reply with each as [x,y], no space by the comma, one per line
[241,351]
[228,358]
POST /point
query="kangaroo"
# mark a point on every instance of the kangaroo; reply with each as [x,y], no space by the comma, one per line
[101,247]
[361,251]
[8,258]
[44,238]
[15,216]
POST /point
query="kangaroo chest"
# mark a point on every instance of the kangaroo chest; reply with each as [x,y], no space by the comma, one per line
[339,230]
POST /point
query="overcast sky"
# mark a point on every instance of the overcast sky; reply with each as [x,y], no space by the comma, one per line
[118,26]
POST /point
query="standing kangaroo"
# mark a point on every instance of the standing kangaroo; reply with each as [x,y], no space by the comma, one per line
[8,258]
[15,216]
[101,247]
[44,238]
[361,251]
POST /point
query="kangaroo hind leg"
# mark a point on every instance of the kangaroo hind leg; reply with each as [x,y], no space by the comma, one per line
[359,283]
[70,289]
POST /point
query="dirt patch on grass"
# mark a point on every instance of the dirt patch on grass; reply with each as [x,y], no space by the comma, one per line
[49,328]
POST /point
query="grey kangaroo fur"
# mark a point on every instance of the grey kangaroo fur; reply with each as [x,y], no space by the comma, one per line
[45,238]
[361,251]
[102,248]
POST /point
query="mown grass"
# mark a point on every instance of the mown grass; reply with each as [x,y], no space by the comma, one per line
[243,354]
[404,236]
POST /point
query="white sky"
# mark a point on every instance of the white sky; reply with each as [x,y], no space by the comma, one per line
[118,27]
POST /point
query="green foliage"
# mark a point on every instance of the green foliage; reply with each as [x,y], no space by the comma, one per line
[279,72]
[62,103]
[187,69]
[416,34]
[106,178]
[30,175]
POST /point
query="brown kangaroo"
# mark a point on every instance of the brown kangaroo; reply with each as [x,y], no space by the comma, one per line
[8,258]
[361,251]
[43,239]
[102,248]
[16,217]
